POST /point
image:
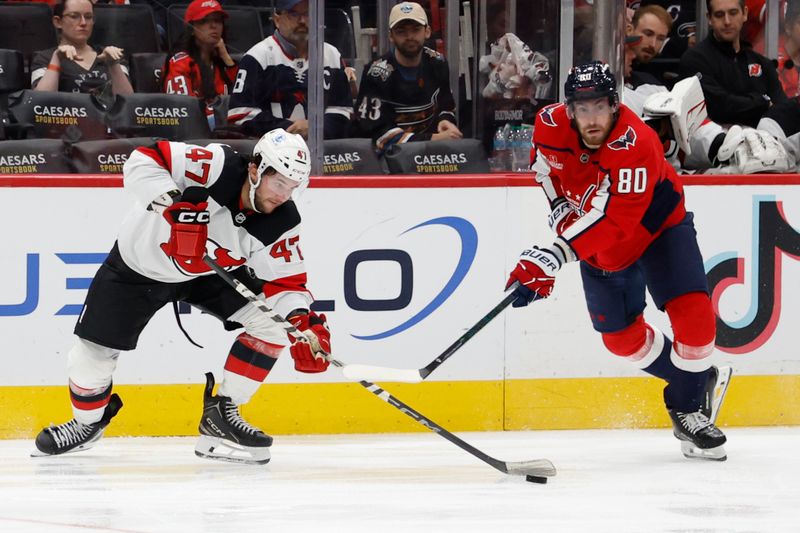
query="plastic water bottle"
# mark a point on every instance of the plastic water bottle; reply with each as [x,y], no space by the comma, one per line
[501,151]
[520,149]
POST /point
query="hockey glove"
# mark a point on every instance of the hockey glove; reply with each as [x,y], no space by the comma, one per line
[188,230]
[561,217]
[751,151]
[309,356]
[535,272]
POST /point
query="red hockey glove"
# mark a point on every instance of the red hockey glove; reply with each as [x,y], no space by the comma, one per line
[535,272]
[561,217]
[309,356]
[188,230]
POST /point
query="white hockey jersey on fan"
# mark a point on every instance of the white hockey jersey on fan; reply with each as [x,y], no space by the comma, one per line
[268,244]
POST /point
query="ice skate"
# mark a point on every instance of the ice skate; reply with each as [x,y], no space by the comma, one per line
[73,436]
[700,437]
[225,435]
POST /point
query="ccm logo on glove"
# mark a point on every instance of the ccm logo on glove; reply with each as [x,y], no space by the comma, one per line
[193,217]
[188,224]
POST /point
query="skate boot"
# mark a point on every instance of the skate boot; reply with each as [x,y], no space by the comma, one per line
[716,387]
[73,436]
[700,437]
[225,435]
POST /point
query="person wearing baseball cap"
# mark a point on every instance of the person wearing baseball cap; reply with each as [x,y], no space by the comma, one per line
[407,11]
[273,80]
[407,91]
[199,64]
[200,9]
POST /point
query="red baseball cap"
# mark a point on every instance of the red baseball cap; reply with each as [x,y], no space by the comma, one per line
[200,9]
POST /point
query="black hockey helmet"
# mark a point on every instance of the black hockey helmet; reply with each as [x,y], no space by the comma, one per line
[591,80]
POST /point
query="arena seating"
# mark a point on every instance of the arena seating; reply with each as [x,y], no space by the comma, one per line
[130,27]
[146,70]
[351,157]
[104,156]
[36,156]
[171,116]
[27,27]
[438,157]
[12,77]
[53,115]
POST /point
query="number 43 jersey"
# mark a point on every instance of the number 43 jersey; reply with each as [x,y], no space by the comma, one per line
[624,192]
[267,243]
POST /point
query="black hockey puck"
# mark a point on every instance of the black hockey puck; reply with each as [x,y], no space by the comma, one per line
[536,479]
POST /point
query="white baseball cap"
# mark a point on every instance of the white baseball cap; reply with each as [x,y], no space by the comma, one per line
[407,11]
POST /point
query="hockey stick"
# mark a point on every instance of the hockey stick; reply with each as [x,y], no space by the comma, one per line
[380,373]
[537,470]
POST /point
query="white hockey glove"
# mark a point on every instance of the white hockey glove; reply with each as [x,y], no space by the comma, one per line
[751,151]
[684,105]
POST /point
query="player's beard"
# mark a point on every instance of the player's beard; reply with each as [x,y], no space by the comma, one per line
[595,139]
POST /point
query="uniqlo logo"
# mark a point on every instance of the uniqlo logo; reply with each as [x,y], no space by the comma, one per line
[755,70]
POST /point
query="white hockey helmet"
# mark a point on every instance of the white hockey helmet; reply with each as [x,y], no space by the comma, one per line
[285,152]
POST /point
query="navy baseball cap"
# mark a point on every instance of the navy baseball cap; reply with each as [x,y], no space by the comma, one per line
[285,5]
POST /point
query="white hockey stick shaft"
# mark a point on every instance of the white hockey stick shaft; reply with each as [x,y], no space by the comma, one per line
[409,375]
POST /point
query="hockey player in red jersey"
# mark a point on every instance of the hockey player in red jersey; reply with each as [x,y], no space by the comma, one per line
[618,209]
[193,201]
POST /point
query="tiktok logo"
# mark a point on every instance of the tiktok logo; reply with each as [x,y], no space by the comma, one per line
[773,237]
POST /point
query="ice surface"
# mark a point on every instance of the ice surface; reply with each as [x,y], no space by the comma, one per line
[616,480]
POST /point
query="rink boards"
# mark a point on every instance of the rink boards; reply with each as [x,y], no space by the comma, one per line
[402,267]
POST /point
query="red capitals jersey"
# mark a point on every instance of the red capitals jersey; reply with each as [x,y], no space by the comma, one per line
[183,77]
[625,192]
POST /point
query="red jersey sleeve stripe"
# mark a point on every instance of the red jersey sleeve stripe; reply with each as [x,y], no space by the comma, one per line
[160,153]
[296,283]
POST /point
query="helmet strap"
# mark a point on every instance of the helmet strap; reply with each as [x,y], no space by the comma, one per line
[252,192]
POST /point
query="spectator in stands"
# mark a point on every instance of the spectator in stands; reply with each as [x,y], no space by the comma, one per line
[739,84]
[652,25]
[789,54]
[405,94]
[272,84]
[200,64]
[75,66]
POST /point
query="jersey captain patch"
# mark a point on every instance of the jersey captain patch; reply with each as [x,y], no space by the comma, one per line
[624,142]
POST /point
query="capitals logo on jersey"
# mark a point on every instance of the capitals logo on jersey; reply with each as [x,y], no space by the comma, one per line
[546,115]
[624,141]
[754,69]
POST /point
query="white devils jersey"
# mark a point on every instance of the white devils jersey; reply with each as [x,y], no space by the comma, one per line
[267,243]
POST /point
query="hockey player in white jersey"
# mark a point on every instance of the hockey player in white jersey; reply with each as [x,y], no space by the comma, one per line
[192,201]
